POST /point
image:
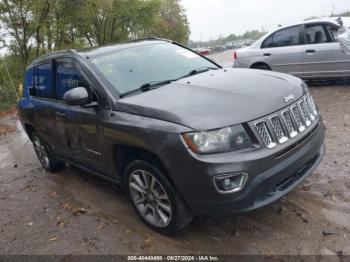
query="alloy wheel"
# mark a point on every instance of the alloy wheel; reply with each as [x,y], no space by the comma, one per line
[150,198]
[41,152]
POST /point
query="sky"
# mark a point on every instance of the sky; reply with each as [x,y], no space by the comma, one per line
[211,18]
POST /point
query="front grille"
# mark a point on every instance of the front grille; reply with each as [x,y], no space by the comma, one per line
[288,123]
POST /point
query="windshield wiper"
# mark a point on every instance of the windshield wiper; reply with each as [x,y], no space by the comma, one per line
[148,86]
[156,84]
[199,70]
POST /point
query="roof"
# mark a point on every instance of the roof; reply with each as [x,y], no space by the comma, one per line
[93,51]
[332,20]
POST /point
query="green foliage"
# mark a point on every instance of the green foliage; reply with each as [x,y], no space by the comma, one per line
[7,93]
[31,28]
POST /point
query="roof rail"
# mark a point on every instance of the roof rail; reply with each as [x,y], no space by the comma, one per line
[148,39]
[53,53]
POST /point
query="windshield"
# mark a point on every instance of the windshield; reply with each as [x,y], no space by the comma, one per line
[128,69]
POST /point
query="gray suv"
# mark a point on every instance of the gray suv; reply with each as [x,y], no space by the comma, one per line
[181,135]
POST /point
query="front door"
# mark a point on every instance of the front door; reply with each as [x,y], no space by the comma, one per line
[79,127]
[322,55]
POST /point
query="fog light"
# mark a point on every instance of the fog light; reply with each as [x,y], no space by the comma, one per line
[230,183]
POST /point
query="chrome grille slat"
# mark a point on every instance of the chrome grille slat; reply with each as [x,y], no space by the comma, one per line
[309,108]
[287,124]
[278,129]
[312,103]
[265,134]
[288,121]
[298,119]
[304,113]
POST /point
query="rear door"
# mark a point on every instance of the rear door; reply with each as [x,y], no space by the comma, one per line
[79,127]
[282,50]
[43,103]
[322,54]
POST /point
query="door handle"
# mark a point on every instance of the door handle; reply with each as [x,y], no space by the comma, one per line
[267,54]
[310,51]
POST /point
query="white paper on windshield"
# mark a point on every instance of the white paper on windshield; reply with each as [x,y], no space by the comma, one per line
[344,39]
[186,53]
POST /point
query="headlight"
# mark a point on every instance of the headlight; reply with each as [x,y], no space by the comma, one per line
[218,141]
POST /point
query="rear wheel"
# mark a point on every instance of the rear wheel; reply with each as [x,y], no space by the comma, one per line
[154,199]
[46,158]
[261,67]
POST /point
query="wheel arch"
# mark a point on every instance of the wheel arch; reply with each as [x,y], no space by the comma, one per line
[125,154]
[256,64]
[29,130]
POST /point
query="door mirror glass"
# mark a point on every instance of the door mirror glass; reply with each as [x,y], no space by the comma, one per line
[76,97]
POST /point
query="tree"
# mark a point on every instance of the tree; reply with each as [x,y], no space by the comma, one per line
[21,20]
[30,28]
[172,22]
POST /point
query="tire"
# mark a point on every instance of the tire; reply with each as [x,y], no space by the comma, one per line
[44,154]
[159,207]
[262,67]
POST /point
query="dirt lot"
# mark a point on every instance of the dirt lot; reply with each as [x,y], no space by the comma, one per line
[71,212]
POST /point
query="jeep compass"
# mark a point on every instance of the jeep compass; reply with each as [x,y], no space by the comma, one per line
[180,134]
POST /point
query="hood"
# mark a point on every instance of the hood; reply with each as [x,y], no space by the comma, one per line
[216,99]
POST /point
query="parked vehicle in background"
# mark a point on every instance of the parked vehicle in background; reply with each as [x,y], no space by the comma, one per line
[202,51]
[308,49]
[182,136]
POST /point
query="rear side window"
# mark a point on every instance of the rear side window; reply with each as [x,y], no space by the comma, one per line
[315,34]
[28,82]
[43,81]
[68,77]
[285,37]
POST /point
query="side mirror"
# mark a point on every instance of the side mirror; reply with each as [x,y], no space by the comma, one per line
[76,97]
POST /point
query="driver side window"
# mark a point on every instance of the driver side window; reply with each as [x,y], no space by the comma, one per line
[315,34]
[68,76]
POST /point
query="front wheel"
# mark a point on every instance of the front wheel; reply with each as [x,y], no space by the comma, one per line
[46,158]
[154,199]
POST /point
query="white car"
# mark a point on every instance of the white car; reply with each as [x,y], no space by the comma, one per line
[309,50]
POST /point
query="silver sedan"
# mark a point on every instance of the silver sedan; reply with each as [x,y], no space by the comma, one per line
[309,50]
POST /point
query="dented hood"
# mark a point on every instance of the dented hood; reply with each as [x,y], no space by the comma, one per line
[216,99]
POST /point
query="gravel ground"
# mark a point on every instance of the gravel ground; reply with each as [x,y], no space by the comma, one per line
[71,212]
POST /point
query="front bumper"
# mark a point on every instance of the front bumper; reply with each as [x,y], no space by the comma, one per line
[271,174]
